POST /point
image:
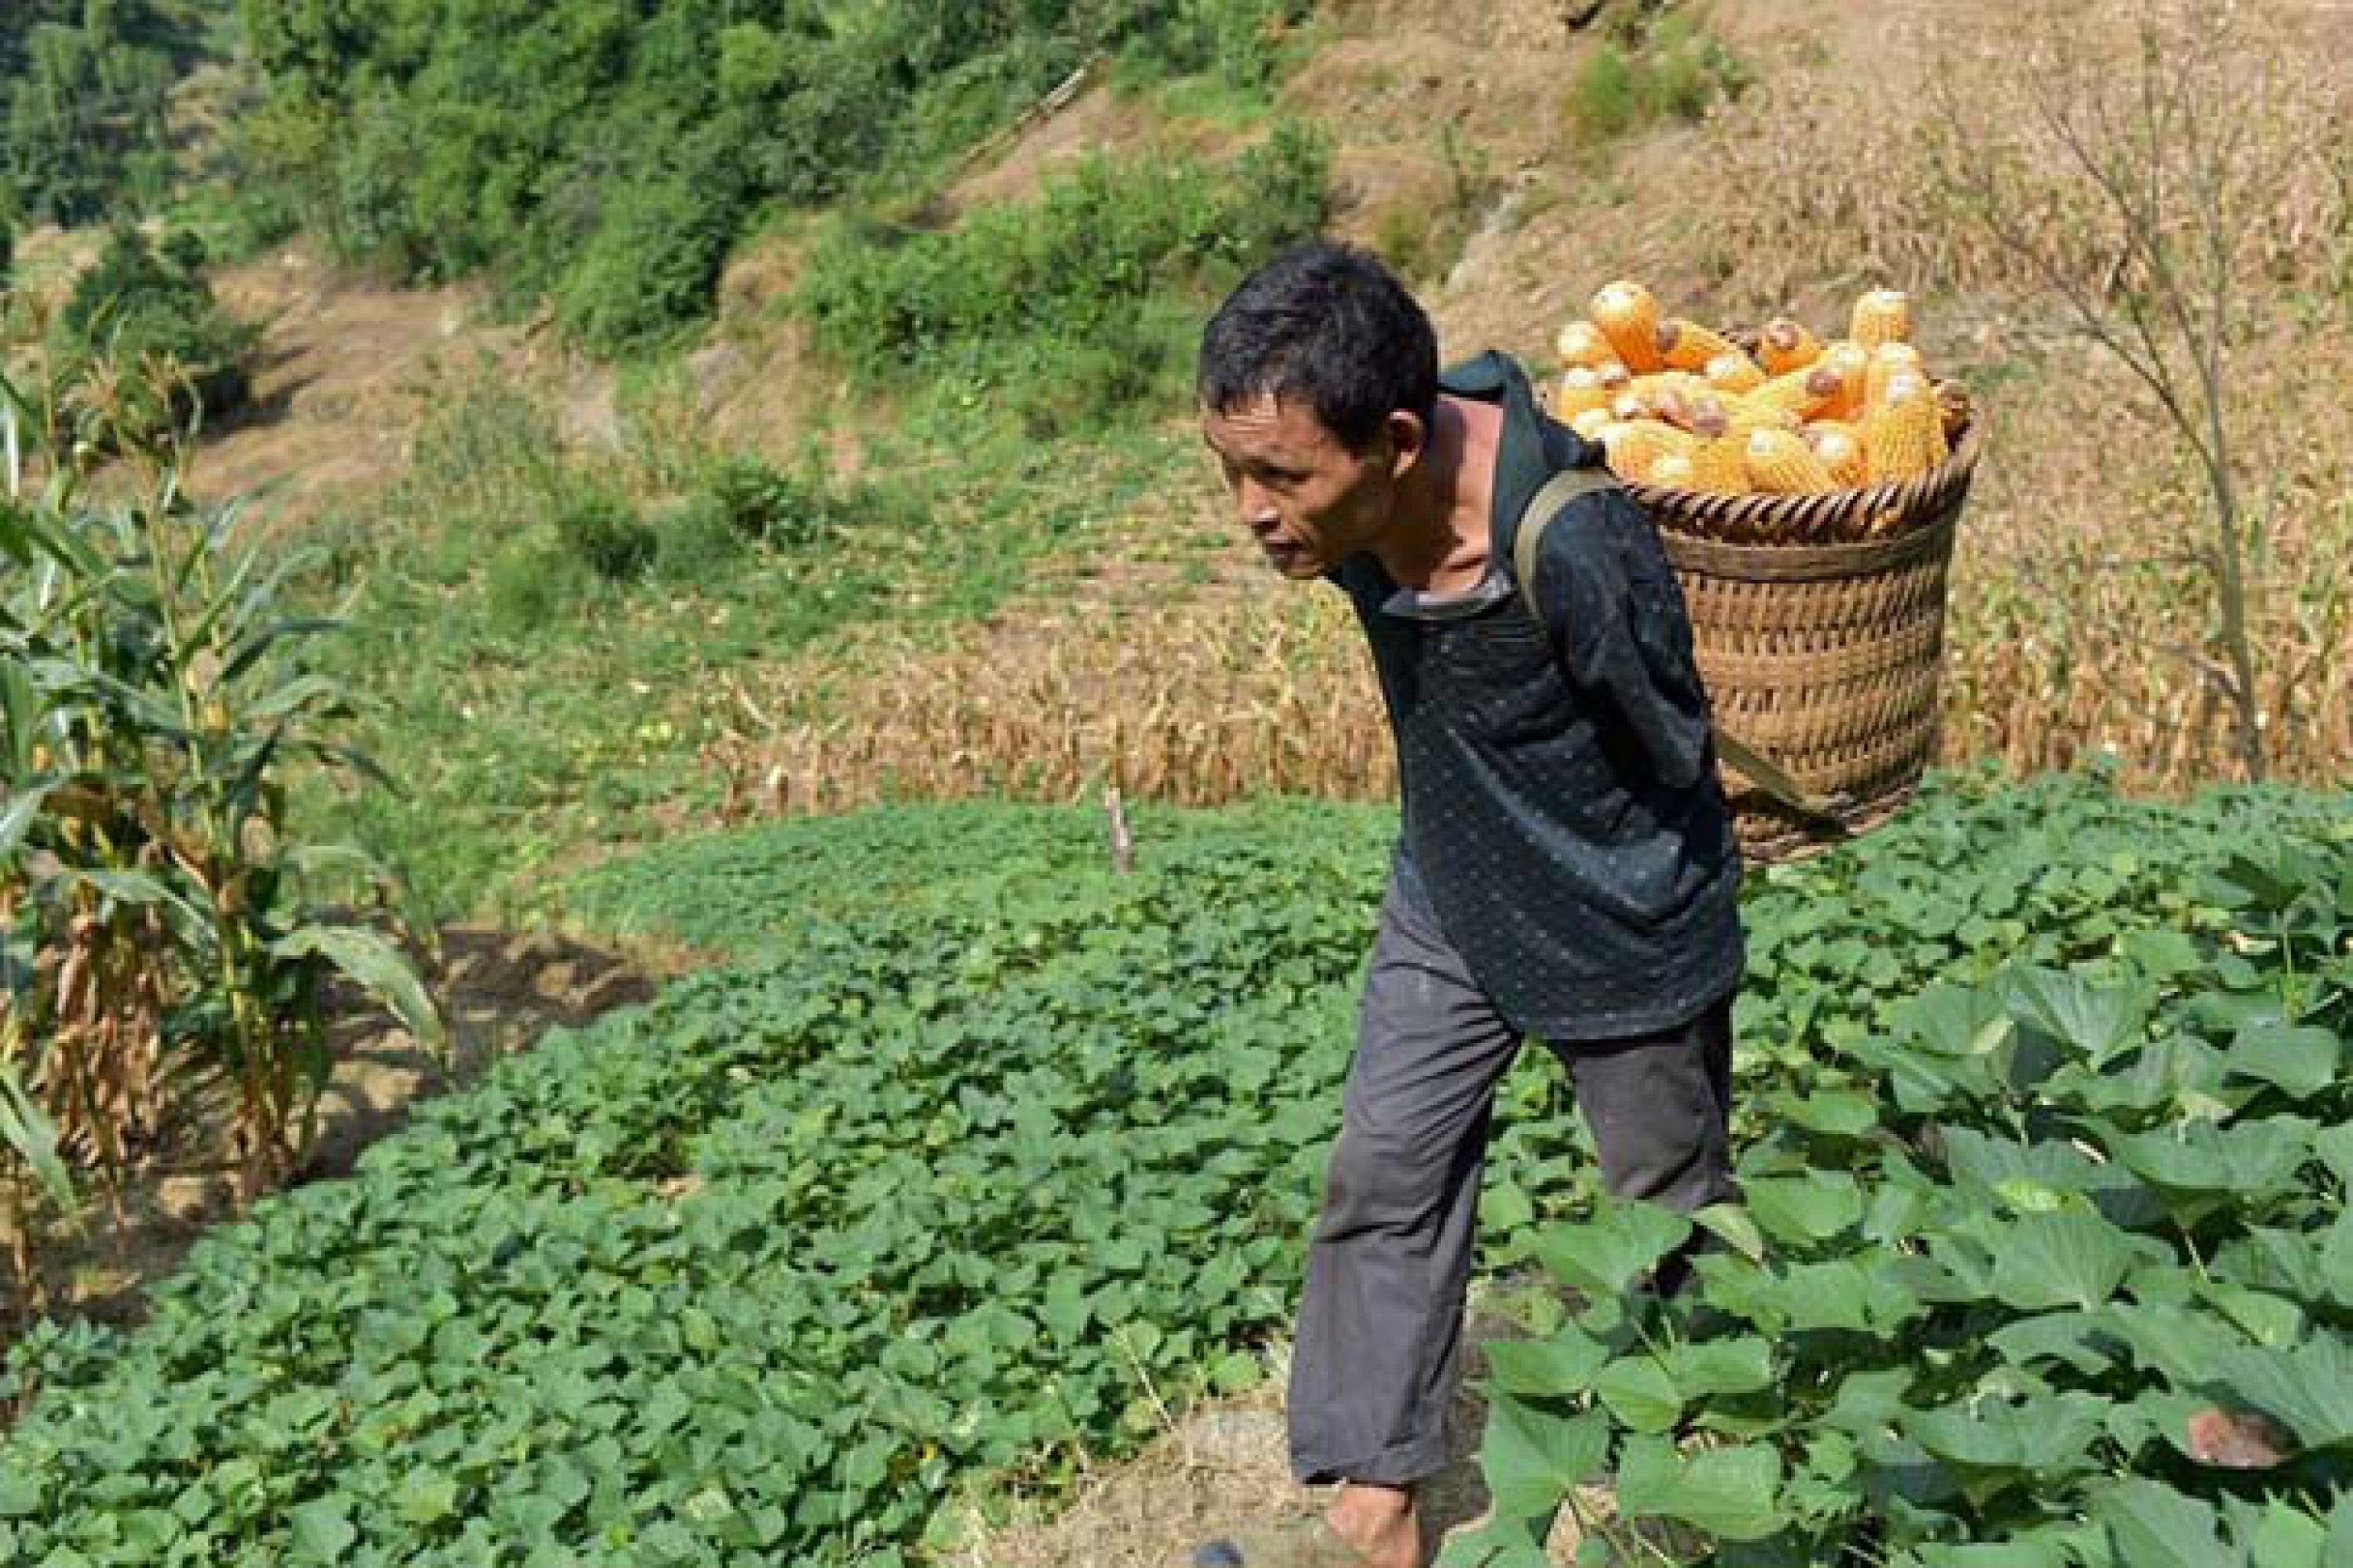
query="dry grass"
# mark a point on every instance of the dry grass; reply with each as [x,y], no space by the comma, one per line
[1225,1466]
[1218,698]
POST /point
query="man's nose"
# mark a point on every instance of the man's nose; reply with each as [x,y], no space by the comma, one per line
[1257,504]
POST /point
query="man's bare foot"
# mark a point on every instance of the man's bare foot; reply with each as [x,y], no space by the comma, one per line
[1380,1521]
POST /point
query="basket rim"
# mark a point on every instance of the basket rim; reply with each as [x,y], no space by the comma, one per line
[1921,492]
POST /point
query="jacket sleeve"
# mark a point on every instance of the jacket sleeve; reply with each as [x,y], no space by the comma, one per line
[1618,624]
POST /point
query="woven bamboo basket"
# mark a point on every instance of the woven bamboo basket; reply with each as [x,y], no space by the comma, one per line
[1824,657]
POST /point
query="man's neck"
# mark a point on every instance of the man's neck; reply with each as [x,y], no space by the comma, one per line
[1440,540]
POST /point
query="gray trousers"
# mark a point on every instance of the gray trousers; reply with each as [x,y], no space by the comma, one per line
[1378,1349]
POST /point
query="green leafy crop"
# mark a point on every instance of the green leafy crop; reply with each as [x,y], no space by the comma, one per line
[983,1157]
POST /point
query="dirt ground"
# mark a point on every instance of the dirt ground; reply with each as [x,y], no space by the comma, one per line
[498,993]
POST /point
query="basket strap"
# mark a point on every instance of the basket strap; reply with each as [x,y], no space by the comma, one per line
[1547,502]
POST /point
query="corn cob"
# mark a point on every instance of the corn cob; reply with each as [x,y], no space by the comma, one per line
[1778,462]
[1907,437]
[1796,395]
[1688,345]
[1786,346]
[1589,423]
[1717,465]
[1840,449]
[1628,318]
[1673,470]
[1882,316]
[1652,383]
[1577,390]
[1734,373]
[1886,360]
[1580,342]
[1633,445]
[1849,364]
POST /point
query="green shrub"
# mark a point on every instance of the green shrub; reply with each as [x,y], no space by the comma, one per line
[143,303]
[1063,301]
[1649,67]
[693,539]
[1603,96]
[604,532]
[649,267]
[759,502]
[529,583]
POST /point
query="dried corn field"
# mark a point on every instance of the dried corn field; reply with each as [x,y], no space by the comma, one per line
[2073,631]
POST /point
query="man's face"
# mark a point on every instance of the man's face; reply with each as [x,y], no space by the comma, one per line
[1307,501]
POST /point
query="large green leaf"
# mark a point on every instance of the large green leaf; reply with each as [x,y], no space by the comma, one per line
[2276,1534]
[1709,1366]
[2308,1386]
[1564,1364]
[2092,1022]
[1731,1493]
[1810,1208]
[1640,1393]
[2045,1437]
[2301,1059]
[1841,1294]
[1532,1456]
[2066,1258]
[1608,1252]
[2251,1160]
[2151,1526]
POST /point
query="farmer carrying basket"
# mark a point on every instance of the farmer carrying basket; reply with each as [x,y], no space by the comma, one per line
[1569,862]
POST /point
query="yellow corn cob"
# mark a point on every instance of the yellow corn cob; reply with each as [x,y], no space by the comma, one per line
[1778,462]
[1849,365]
[1628,318]
[1577,390]
[1717,465]
[1795,396]
[1886,360]
[1629,406]
[1907,437]
[1882,316]
[1633,445]
[1841,451]
[1688,345]
[1580,342]
[1715,414]
[1786,346]
[1589,423]
[1652,383]
[1673,470]
[1734,373]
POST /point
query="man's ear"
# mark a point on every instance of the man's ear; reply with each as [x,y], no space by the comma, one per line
[1409,442]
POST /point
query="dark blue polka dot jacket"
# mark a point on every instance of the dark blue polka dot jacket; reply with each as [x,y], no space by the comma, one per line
[1562,819]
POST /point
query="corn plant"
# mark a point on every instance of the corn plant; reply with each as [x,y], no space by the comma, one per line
[168,956]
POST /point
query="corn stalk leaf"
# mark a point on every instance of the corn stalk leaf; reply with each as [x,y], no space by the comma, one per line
[377,966]
[33,1139]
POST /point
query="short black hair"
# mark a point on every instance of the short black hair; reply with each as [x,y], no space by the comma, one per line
[1328,325]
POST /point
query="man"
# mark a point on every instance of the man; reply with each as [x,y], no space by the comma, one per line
[1566,867]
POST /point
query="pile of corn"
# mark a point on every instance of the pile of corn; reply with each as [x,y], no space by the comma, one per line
[1680,407]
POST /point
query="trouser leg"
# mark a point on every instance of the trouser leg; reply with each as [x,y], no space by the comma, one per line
[1378,1350]
[1659,1107]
